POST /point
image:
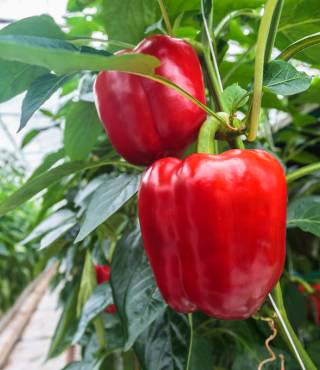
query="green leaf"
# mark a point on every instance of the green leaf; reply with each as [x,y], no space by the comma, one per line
[16,77]
[38,93]
[88,282]
[44,180]
[164,344]
[107,199]
[127,20]
[62,57]
[234,97]
[201,357]
[52,222]
[29,136]
[98,301]
[48,162]
[81,130]
[282,78]
[136,294]
[305,214]
[42,25]
[299,19]
[83,365]
[66,326]
[56,234]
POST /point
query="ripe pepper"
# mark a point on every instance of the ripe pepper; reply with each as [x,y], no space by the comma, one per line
[314,302]
[144,119]
[213,228]
[103,276]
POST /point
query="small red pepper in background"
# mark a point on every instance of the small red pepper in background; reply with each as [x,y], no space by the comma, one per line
[314,301]
[103,276]
[144,119]
[214,230]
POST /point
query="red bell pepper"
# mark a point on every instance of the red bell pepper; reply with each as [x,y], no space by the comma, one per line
[144,119]
[103,276]
[214,230]
[314,302]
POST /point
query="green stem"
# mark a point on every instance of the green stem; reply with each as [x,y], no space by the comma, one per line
[273,30]
[304,171]
[217,92]
[237,13]
[300,45]
[191,341]
[206,142]
[262,41]
[210,40]
[165,17]
[287,331]
[183,92]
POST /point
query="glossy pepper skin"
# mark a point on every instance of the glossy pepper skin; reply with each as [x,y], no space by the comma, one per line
[213,228]
[144,119]
[103,276]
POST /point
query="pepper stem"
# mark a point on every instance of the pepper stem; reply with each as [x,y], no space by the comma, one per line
[206,142]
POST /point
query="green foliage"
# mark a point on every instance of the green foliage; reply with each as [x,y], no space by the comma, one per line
[282,78]
[19,264]
[165,343]
[88,191]
[82,130]
[136,295]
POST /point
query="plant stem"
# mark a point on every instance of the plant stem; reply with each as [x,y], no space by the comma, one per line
[300,45]
[165,17]
[219,105]
[191,341]
[206,142]
[273,30]
[287,331]
[262,41]
[183,92]
[210,40]
[304,171]
[237,13]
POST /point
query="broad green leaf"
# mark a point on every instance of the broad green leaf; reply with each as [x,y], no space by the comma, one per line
[38,93]
[56,234]
[66,327]
[42,25]
[164,344]
[98,301]
[127,20]
[305,214]
[44,180]
[201,356]
[282,78]
[299,19]
[16,77]
[52,222]
[136,294]
[62,57]
[48,162]
[81,130]
[107,199]
[234,97]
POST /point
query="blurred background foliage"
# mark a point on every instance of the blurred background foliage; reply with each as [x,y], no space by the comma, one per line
[82,201]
